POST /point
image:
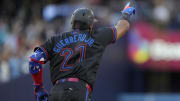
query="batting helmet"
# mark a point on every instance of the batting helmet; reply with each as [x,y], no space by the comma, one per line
[82,18]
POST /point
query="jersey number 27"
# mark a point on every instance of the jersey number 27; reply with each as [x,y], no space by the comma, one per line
[67,53]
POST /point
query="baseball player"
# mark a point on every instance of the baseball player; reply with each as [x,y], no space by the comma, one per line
[75,57]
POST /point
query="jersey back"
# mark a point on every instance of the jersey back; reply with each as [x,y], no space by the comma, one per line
[77,53]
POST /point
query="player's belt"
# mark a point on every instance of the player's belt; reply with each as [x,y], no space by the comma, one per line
[69,79]
[74,80]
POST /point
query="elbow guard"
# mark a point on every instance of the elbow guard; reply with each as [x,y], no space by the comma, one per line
[34,67]
[36,60]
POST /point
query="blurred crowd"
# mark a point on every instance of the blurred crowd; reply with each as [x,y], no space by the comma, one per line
[25,24]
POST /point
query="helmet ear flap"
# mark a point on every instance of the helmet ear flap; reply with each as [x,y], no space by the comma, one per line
[91,20]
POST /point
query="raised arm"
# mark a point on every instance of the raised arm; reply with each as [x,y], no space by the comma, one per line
[123,24]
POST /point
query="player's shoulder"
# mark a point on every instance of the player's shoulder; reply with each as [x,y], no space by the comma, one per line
[102,29]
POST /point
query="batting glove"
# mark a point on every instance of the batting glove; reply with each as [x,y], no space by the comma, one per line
[127,12]
[40,93]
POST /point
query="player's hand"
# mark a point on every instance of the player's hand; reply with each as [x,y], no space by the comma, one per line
[129,10]
[40,93]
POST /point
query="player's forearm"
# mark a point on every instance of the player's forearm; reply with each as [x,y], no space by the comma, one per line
[122,27]
[37,78]
[35,65]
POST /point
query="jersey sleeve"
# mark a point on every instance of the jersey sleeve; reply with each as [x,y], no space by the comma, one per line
[47,47]
[106,35]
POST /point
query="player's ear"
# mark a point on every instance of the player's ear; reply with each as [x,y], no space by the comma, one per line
[91,26]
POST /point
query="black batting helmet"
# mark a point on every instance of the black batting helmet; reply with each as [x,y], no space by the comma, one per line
[82,18]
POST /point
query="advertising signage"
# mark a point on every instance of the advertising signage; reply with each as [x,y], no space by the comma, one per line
[154,48]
